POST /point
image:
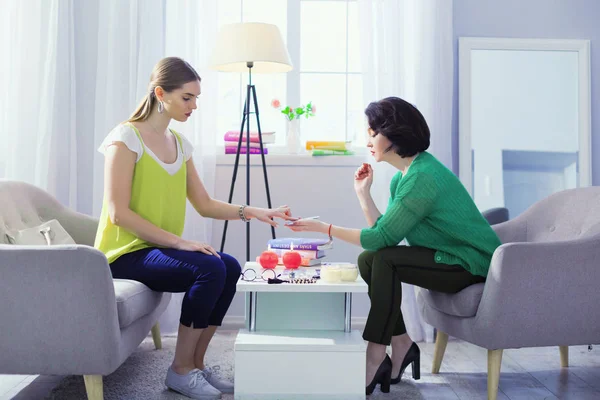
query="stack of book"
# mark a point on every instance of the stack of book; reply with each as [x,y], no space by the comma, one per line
[232,138]
[329,148]
[311,250]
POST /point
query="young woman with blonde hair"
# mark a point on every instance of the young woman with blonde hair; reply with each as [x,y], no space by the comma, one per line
[149,175]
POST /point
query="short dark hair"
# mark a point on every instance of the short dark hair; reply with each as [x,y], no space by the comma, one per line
[401,123]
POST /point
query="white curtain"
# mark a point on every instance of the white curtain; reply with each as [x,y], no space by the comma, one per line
[130,41]
[406,48]
[37,109]
[73,70]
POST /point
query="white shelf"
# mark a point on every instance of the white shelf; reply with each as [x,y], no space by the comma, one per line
[358,286]
[295,340]
[293,160]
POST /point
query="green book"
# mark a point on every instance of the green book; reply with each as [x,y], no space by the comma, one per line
[332,152]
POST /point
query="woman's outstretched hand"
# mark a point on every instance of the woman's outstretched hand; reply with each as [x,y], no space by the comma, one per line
[265,214]
[363,179]
[309,225]
[190,245]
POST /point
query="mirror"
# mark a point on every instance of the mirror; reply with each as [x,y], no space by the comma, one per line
[524,119]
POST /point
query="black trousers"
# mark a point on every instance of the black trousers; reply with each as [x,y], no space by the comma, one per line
[385,270]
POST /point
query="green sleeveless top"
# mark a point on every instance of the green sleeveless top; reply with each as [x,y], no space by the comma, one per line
[156,196]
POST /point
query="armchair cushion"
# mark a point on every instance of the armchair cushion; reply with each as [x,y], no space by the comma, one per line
[134,300]
[461,304]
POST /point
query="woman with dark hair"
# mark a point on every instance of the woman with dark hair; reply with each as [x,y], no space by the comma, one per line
[148,177]
[451,243]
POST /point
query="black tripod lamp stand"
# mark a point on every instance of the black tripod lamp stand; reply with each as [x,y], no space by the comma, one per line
[252,47]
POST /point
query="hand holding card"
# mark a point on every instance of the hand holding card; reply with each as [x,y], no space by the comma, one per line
[308,224]
[288,223]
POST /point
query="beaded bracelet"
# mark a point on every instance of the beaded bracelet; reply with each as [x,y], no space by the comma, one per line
[242,215]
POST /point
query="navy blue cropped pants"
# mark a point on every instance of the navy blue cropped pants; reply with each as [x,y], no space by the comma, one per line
[209,282]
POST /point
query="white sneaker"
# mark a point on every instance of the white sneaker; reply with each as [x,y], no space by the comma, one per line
[211,374]
[193,384]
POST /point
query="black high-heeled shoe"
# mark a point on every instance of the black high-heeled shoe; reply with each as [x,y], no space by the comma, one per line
[383,376]
[413,355]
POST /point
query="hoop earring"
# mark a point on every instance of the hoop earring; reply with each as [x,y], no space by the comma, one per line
[161,107]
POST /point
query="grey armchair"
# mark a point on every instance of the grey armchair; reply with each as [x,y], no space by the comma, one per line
[61,312]
[541,289]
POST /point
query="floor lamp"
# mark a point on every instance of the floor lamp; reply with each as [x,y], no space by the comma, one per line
[249,47]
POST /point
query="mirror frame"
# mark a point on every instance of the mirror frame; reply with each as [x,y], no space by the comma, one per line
[466,44]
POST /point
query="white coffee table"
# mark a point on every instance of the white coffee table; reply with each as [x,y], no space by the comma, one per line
[298,342]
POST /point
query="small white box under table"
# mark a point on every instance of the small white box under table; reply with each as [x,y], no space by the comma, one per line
[299,343]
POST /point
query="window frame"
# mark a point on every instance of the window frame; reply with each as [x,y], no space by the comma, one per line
[293,78]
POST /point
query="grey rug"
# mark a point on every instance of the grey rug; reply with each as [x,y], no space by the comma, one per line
[142,376]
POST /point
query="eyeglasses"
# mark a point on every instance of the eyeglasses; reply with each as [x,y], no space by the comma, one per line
[269,276]
[250,275]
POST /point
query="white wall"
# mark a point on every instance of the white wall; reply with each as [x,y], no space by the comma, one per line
[310,186]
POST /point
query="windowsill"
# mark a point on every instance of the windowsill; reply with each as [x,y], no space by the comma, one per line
[278,156]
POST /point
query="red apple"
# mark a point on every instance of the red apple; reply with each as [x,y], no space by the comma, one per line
[268,259]
[292,259]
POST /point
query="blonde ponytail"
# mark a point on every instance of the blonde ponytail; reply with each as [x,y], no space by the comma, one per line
[144,109]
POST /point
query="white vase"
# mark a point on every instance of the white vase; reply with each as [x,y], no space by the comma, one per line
[293,141]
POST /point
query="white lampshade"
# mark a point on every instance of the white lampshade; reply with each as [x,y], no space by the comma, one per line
[238,44]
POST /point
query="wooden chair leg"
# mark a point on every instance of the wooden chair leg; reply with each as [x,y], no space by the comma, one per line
[564,356]
[438,353]
[93,387]
[494,362]
[156,336]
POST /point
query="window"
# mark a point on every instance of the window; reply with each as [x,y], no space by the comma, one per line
[323,41]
